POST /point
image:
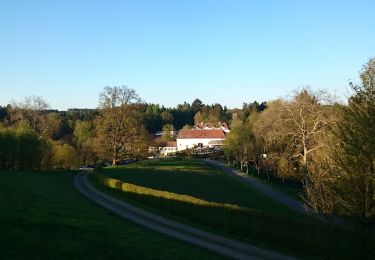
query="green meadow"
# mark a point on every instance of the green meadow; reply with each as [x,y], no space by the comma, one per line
[195,193]
[42,216]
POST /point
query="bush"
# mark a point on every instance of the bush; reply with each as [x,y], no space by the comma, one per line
[65,156]
[21,149]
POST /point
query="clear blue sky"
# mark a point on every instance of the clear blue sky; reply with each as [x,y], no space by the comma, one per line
[173,51]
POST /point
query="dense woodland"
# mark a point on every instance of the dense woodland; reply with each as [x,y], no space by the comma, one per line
[311,137]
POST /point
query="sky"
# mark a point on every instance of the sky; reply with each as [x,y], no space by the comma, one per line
[225,51]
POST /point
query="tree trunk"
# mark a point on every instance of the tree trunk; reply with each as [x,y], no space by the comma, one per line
[114,156]
[305,170]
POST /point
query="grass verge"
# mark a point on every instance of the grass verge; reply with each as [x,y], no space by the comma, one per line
[43,216]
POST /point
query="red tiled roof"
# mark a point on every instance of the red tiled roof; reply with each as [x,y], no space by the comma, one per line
[168,144]
[171,144]
[201,134]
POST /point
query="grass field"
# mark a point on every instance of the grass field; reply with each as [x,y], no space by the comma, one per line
[160,186]
[42,216]
[195,178]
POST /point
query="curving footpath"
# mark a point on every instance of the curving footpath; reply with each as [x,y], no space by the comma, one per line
[267,190]
[218,244]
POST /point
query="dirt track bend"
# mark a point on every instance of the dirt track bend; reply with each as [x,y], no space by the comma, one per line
[265,189]
[218,244]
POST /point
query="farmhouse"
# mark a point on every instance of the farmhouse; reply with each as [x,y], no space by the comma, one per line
[200,138]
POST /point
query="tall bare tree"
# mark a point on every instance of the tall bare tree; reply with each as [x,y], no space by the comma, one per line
[306,120]
[297,139]
[32,112]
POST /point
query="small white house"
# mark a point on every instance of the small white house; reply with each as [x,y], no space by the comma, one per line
[200,138]
[168,149]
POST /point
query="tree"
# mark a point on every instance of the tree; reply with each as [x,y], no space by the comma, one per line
[196,105]
[120,124]
[83,133]
[305,121]
[167,133]
[270,133]
[167,117]
[355,156]
[20,148]
[241,143]
[321,194]
[31,111]
[152,118]
[54,122]
[65,156]
[211,114]
[3,114]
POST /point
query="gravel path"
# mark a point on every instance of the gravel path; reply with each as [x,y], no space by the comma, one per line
[265,189]
[218,244]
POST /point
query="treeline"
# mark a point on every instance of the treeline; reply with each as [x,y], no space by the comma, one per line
[120,128]
[156,116]
[311,137]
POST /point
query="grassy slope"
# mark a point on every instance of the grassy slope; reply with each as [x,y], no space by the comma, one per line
[197,179]
[43,216]
[281,227]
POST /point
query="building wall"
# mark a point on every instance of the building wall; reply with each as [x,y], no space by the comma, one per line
[167,150]
[183,144]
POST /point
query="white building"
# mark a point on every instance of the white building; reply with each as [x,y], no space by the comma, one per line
[200,138]
[169,149]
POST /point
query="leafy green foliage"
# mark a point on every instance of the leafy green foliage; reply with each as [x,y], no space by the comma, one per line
[20,149]
[65,156]
[241,144]
[119,129]
[355,157]
[84,135]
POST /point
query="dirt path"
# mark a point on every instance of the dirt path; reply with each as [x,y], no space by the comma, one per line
[221,245]
[265,189]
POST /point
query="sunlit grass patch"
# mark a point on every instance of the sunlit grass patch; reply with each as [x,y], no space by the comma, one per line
[197,179]
[131,188]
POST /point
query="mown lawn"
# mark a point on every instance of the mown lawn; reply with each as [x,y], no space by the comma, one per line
[257,218]
[42,216]
[197,179]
